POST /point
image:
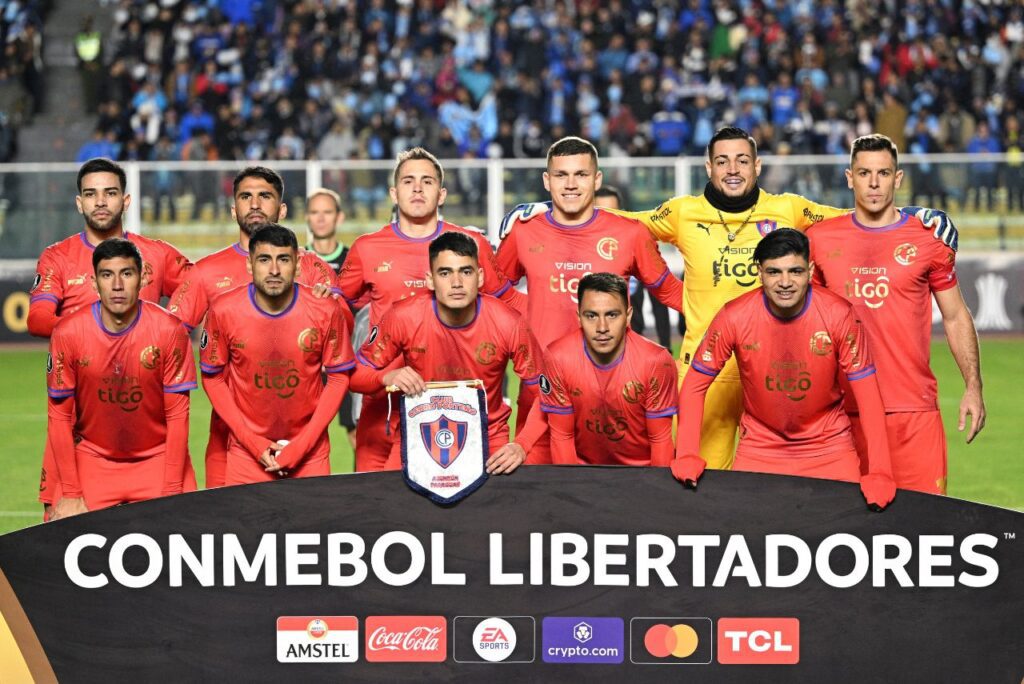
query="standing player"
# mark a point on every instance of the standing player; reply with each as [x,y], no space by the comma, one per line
[65,281]
[887,266]
[790,342]
[118,376]
[716,232]
[263,349]
[571,240]
[258,193]
[610,393]
[392,264]
[457,334]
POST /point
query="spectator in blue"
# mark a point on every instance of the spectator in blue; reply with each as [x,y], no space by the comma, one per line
[476,79]
[784,97]
[195,119]
[100,146]
[983,173]
[671,133]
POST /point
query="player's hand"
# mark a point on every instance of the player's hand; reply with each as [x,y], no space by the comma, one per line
[405,379]
[940,223]
[506,459]
[974,405]
[268,459]
[521,212]
[878,489]
[322,291]
[688,469]
[68,507]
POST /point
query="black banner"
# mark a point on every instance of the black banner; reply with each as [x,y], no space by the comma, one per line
[555,574]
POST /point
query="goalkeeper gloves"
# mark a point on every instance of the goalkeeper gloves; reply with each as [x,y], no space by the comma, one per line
[939,222]
[688,469]
[521,212]
[879,490]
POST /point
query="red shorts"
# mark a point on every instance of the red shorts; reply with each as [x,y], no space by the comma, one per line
[244,469]
[111,481]
[917,446]
[373,437]
[216,451]
[843,465]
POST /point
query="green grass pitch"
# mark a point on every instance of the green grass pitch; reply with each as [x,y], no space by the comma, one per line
[989,471]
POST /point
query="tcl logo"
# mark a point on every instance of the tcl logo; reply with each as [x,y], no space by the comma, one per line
[758,641]
[406,638]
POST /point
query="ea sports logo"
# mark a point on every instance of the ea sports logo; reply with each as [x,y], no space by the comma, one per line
[905,254]
[607,247]
[494,639]
[444,439]
[317,629]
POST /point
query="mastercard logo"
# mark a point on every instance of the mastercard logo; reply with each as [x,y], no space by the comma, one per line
[678,641]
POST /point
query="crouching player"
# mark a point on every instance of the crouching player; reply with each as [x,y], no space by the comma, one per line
[610,394]
[790,341]
[262,353]
[455,334]
[118,377]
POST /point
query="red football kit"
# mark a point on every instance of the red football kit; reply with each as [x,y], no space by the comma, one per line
[615,414]
[889,274]
[554,257]
[793,421]
[212,276]
[118,410]
[389,266]
[263,374]
[64,283]
[480,350]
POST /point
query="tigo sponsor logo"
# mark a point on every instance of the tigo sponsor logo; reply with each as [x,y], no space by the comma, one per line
[495,639]
[758,641]
[671,640]
[313,639]
[583,640]
[406,639]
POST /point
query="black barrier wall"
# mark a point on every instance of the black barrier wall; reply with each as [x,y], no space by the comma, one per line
[555,574]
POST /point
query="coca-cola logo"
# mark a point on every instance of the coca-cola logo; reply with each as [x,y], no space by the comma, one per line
[406,638]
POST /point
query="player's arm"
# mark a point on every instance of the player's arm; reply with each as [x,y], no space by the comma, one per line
[176,268]
[189,301]
[507,258]
[496,283]
[179,378]
[350,281]
[338,363]
[534,428]
[855,361]
[383,345]
[661,403]
[663,222]
[60,390]
[805,213]
[317,274]
[563,442]
[46,296]
[557,407]
[653,272]
[962,338]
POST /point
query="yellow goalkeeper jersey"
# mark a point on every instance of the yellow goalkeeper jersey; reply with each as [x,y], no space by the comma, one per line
[717,269]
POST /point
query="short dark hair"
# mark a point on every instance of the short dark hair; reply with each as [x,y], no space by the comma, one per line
[267,174]
[452,241]
[413,154]
[273,234]
[875,142]
[780,243]
[603,282]
[731,133]
[610,191]
[572,145]
[102,165]
[112,248]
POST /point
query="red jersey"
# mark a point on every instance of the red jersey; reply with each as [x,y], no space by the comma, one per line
[610,404]
[479,350]
[392,266]
[273,362]
[889,274]
[554,257]
[118,380]
[65,278]
[224,270]
[789,369]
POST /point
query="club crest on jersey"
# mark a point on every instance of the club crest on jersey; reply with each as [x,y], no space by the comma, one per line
[444,439]
[308,340]
[905,254]
[767,226]
[149,357]
[821,343]
[607,247]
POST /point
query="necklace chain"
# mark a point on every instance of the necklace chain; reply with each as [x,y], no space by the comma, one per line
[730,234]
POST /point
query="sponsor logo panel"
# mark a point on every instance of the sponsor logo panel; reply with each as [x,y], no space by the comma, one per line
[312,639]
[406,639]
[758,641]
[671,640]
[583,640]
[498,639]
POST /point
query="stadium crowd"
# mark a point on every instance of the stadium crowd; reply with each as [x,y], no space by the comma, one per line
[327,79]
[21,68]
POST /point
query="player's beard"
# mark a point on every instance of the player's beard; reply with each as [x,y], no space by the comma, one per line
[250,227]
[111,224]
